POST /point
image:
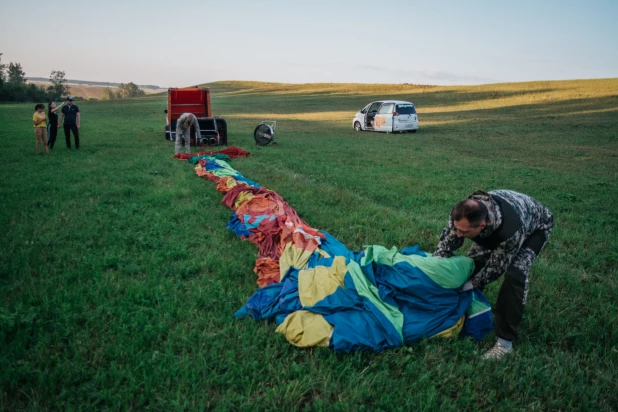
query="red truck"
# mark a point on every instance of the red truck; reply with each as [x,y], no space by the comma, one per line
[196,100]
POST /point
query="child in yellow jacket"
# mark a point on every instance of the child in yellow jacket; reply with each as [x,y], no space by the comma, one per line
[40,127]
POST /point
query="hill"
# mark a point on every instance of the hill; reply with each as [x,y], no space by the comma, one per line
[537,91]
[89,83]
[96,92]
[91,92]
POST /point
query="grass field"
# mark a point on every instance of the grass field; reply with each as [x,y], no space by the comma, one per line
[118,279]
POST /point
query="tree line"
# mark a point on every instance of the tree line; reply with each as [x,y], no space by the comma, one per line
[14,87]
[95,83]
[124,91]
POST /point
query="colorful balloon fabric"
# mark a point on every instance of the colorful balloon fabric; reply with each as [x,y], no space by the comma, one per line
[319,293]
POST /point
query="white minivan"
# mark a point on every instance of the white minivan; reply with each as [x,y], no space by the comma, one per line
[387,116]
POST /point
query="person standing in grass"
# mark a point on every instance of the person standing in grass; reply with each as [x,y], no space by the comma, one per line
[71,119]
[508,231]
[39,119]
[53,124]
[183,130]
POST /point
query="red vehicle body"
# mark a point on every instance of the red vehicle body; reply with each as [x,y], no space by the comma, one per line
[195,100]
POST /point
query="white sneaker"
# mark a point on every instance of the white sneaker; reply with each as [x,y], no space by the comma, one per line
[497,352]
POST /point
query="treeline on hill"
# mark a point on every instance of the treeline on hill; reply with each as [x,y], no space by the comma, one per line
[99,84]
[14,87]
[124,91]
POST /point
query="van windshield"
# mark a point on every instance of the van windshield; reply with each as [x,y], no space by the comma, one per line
[406,109]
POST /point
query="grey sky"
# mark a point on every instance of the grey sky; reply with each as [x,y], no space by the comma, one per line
[189,42]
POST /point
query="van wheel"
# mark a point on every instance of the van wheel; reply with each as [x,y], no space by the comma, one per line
[414,131]
[357,126]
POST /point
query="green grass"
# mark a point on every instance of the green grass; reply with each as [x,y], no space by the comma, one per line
[118,279]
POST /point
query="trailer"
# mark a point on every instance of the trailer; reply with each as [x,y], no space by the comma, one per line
[195,100]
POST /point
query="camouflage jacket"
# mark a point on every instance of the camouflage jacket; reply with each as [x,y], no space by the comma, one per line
[522,213]
[183,124]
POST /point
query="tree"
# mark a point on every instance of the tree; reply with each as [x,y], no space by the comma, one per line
[2,74]
[59,85]
[13,86]
[128,90]
[16,74]
[108,94]
[34,93]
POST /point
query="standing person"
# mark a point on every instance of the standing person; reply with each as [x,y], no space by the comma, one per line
[53,124]
[39,119]
[71,117]
[183,130]
[508,229]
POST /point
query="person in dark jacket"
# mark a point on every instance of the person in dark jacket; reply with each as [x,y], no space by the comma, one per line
[71,119]
[53,125]
[508,230]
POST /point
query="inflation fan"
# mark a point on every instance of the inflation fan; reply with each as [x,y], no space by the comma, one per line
[264,134]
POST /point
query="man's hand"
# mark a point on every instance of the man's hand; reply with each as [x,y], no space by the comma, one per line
[78,126]
[467,286]
[58,125]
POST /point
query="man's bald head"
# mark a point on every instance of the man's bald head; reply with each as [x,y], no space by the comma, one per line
[471,209]
[469,217]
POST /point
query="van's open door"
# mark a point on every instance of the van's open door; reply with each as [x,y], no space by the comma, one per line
[384,118]
[370,115]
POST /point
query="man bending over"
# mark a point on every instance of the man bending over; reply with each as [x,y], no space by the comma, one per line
[183,130]
[508,231]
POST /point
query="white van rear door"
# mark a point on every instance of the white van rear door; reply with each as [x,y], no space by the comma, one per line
[406,113]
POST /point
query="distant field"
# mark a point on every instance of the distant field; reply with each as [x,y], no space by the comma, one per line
[119,280]
[89,92]
[96,92]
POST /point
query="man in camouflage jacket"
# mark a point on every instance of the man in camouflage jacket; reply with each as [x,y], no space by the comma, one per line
[508,229]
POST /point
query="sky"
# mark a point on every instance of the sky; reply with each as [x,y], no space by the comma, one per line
[182,43]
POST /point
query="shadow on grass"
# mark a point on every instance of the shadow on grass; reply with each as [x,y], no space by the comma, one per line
[328,101]
[601,110]
[601,107]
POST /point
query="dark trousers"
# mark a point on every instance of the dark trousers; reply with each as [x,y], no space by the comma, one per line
[509,309]
[68,128]
[51,136]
